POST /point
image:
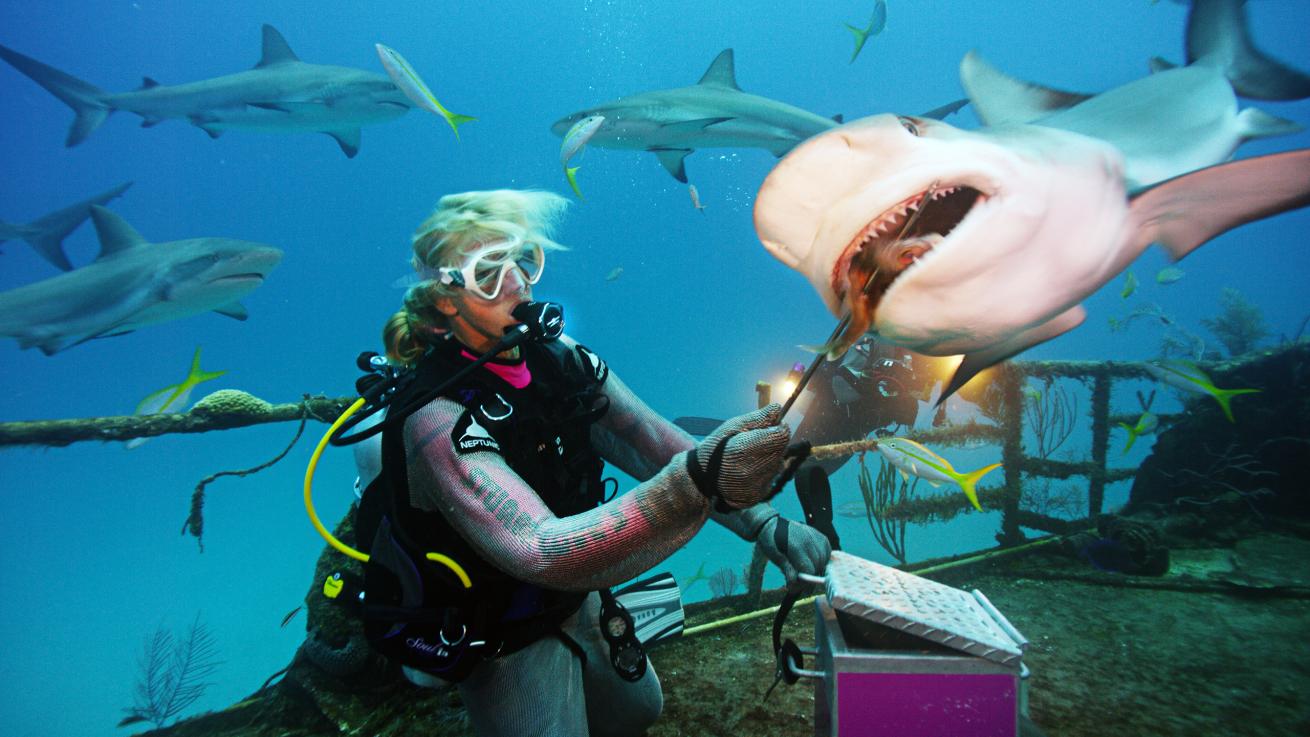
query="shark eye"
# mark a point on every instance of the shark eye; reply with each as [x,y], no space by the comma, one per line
[908,124]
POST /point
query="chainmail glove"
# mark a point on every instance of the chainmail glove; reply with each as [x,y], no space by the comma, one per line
[736,464]
[794,548]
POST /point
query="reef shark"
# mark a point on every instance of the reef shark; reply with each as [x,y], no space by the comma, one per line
[713,113]
[281,93]
[984,243]
[46,234]
[134,283]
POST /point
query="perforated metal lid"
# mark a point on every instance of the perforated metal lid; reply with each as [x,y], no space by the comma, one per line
[958,619]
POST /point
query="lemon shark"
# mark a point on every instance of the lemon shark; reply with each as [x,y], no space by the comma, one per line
[281,93]
[713,113]
[134,283]
[984,243]
[46,234]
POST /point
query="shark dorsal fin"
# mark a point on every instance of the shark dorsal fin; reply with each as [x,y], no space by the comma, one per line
[276,49]
[147,83]
[1000,99]
[722,72]
[116,236]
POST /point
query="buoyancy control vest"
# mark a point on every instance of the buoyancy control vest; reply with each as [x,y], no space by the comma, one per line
[419,610]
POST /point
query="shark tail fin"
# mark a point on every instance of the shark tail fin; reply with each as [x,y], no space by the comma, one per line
[572,174]
[87,100]
[1218,34]
[1225,396]
[969,482]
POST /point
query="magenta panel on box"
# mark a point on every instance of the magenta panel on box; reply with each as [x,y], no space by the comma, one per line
[926,705]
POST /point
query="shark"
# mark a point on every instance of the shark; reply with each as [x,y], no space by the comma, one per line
[46,234]
[134,283]
[281,94]
[713,113]
[984,243]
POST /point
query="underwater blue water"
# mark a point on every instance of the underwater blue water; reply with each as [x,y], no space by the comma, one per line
[89,541]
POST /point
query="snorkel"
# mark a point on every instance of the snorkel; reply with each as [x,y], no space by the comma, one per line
[538,322]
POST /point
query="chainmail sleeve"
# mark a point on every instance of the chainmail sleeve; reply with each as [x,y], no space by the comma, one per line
[638,440]
[493,508]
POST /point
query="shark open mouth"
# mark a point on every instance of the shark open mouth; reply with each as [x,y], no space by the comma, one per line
[885,248]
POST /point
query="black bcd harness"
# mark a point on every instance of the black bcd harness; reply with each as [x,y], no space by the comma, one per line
[432,602]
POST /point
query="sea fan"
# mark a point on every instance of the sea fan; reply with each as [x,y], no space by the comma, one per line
[171,675]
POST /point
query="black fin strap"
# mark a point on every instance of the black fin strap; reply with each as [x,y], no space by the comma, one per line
[780,534]
[787,655]
[707,480]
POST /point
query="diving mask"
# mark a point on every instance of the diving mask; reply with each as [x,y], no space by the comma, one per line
[483,272]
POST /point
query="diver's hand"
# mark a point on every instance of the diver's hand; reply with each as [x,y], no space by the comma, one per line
[737,462]
[794,548]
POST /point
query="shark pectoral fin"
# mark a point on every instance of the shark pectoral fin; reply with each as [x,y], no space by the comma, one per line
[275,49]
[672,158]
[999,98]
[277,107]
[940,113]
[206,125]
[1157,65]
[1185,212]
[1259,124]
[978,361]
[116,236]
[236,311]
[348,140]
[722,72]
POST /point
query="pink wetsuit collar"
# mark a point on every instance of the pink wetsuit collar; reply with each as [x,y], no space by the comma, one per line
[515,373]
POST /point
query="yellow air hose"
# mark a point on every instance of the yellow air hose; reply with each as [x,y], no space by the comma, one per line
[341,547]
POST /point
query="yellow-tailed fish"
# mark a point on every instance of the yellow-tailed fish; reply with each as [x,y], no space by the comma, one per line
[408,81]
[695,198]
[876,24]
[1189,377]
[574,140]
[173,398]
[913,459]
[1146,424]
[1130,285]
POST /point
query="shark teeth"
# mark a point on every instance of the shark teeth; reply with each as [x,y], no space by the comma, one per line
[893,219]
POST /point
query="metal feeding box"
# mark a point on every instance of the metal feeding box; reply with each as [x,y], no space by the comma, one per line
[902,656]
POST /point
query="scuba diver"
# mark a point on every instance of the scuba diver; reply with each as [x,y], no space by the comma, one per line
[491,542]
[871,388]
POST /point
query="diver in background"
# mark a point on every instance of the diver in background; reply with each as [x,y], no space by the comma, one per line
[502,473]
[869,389]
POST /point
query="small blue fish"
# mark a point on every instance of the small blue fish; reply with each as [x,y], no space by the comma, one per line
[1168,275]
[876,24]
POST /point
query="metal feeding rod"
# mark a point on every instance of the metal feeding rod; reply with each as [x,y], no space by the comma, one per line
[846,319]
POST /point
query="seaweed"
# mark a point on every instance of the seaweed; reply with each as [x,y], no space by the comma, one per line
[171,674]
[1240,325]
[890,489]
